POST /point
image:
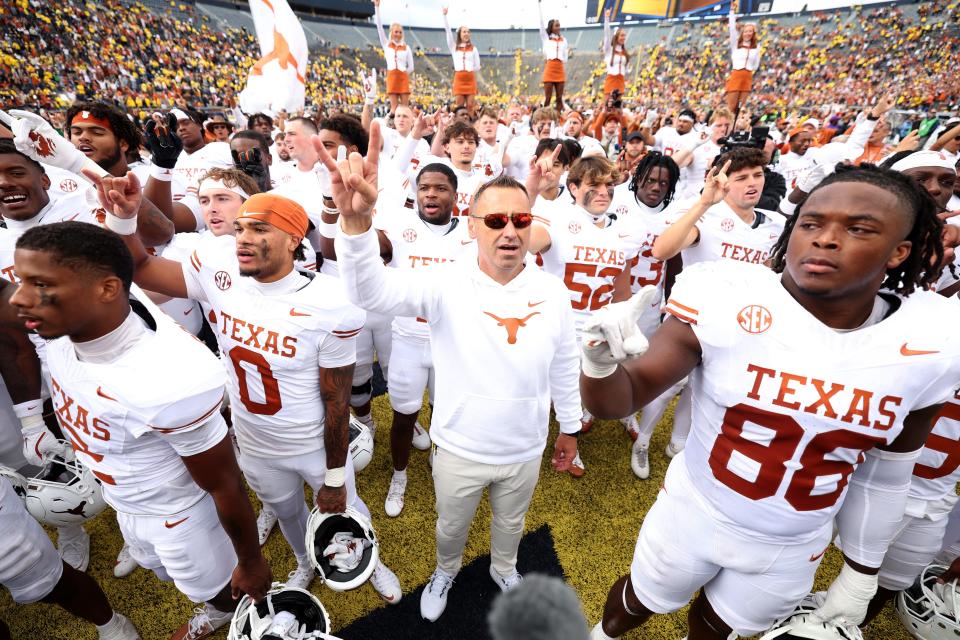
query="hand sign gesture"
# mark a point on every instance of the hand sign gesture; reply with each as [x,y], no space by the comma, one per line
[353,179]
[716,186]
[542,172]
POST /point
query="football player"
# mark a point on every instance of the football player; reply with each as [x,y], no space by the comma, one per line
[35,572]
[161,451]
[788,436]
[289,338]
[585,247]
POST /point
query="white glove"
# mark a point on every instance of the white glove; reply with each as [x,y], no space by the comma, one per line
[369,86]
[35,138]
[651,118]
[810,177]
[38,443]
[847,598]
[345,551]
[610,335]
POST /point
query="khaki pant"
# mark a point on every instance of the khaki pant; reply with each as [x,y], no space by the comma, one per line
[459,485]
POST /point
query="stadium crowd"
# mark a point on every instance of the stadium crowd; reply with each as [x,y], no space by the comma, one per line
[755,224]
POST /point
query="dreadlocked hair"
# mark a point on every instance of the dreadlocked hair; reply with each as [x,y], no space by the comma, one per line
[649,162]
[924,236]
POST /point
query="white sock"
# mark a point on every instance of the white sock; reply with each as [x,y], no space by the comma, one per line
[363,418]
[598,634]
[400,475]
[303,561]
[111,623]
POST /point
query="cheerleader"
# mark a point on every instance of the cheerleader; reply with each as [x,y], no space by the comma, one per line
[745,57]
[466,61]
[616,57]
[399,59]
[555,52]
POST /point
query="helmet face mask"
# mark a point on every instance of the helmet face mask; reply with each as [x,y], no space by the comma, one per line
[74,497]
[361,444]
[801,625]
[255,621]
[322,529]
[930,611]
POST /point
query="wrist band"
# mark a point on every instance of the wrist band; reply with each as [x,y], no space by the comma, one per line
[333,211]
[121,226]
[328,229]
[29,408]
[787,208]
[161,173]
[335,477]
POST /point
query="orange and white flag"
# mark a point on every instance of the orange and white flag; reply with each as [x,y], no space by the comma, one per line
[277,80]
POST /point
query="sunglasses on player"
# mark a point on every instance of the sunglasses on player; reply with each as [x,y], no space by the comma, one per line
[499,220]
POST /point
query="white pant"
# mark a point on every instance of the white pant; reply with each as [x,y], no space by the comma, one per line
[681,548]
[30,566]
[411,371]
[917,542]
[191,548]
[459,485]
[278,482]
[375,336]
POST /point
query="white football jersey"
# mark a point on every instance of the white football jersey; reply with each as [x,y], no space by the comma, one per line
[646,224]
[724,236]
[933,488]
[784,407]
[274,339]
[417,246]
[586,257]
[119,416]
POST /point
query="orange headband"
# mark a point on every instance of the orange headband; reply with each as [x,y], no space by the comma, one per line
[88,118]
[283,213]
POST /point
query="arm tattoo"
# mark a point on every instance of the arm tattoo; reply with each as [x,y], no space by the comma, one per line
[153,227]
[335,386]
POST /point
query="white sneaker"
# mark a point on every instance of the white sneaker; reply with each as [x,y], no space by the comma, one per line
[640,460]
[673,450]
[301,577]
[204,623]
[119,628]
[368,420]
[631,427]
[433,600]
[386,583]
[394,502]
[73,544]
[125,563]
[507,583]
[597,633]
[265,523]
[421,439]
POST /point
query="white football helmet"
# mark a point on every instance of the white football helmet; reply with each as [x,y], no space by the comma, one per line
[801,625]
[343,548]
[286,613]
[361,444]
[930,611]
[73,497]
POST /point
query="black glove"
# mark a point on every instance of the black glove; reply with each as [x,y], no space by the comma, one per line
[251,163]
[162,141]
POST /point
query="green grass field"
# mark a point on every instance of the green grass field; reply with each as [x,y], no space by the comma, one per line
[594,523]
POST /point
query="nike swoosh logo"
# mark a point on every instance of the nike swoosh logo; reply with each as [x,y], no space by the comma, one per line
[533,304]
[188,311]
[906,351]
[621,235]
[388,598]
[171,525]
[814,558]
[73,217]
[103,395]
[295,313]
[466,241]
